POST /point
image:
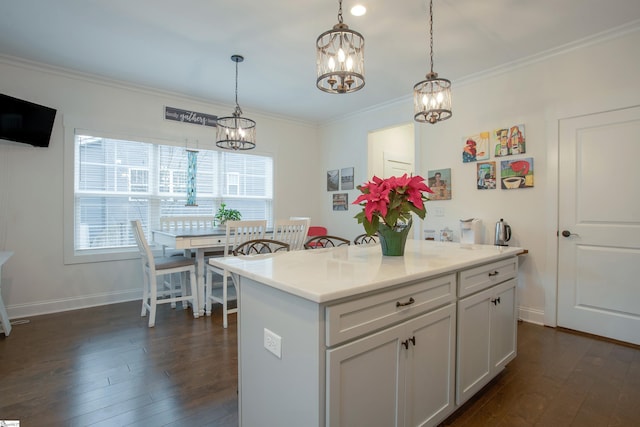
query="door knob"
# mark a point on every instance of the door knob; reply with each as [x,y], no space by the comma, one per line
[567,233]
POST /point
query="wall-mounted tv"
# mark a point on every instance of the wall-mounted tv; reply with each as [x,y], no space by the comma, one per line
[25,122]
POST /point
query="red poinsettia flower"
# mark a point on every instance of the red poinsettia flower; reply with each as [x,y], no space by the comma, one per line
[391,200]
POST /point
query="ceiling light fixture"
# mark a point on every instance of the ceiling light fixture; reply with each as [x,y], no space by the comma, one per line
[236,132]
[432,97]
[358,10]
[340,59]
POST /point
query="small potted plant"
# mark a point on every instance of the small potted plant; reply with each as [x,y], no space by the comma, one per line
[223,215]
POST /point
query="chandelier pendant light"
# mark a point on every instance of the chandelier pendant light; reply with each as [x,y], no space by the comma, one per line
[432,97]
[236,132]
[340,59]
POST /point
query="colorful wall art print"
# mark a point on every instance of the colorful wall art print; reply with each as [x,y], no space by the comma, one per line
[516,173]
[439,181]
[475,147]
[509,141]
[486,175]
[333,180]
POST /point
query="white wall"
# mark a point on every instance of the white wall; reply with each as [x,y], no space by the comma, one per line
[595,77]
[36,280]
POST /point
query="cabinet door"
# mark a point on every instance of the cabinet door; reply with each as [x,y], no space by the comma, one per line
[474,351]
[503,325]
[430,372]
[364,380]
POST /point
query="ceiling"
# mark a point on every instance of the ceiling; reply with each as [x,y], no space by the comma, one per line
[185,46]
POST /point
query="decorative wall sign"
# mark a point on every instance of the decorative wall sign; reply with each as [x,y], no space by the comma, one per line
[439,180]
[333,180]
[476,147]
[486,176]
[186,116]
[346,179]
[516,173]
[509,141]
[341,202]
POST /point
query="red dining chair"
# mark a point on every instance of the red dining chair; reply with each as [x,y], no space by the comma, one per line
[315,231]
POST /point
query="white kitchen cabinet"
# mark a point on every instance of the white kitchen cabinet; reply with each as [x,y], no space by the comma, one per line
[367,340]
[401,376]
[486,337]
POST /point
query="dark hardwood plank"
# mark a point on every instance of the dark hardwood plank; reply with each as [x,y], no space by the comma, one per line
[103,366]
[559,378]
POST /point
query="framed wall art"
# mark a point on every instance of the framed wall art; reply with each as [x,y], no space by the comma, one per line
[516,173]
[333,180]
[439,180]
[486,176]
[476,147]
[341,202]
[346,179]
[509,141]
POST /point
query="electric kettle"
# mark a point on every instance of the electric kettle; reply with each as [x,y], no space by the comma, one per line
[503,233]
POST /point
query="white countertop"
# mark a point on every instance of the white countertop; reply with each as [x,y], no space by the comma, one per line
[324,275]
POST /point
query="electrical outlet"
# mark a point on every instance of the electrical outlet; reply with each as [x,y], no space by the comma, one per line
[439,211]
[273,343]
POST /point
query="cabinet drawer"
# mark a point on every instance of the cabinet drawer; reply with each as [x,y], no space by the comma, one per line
[354,318]
[485,276]
[207,243]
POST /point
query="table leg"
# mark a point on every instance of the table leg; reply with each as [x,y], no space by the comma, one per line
[4,318]
[200,274]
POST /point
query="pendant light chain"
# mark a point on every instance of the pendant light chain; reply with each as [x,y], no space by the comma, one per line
[340,12]
[237,82]
[431,32]
[238,110]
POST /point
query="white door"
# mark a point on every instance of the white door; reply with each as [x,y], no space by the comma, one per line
[599,224]
[396,165]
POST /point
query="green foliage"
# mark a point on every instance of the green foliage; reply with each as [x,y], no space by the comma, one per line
[223,215]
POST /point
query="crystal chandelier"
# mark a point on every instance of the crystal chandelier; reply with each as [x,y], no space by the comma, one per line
[432,97]
[340,59]
[236,132]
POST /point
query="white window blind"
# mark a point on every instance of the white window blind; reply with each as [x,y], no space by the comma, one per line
[116,181]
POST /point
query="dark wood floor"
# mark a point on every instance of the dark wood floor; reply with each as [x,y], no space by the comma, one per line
[103,367]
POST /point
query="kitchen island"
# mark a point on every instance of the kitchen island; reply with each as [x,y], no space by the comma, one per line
[347,337]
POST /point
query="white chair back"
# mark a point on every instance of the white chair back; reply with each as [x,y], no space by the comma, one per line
[146,255]
[292,231]
[240,231]
[168,223]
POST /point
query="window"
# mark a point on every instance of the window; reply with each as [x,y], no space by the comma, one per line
[233,181]
[116,181]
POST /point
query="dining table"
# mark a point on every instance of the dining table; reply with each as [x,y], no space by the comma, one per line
[200,240]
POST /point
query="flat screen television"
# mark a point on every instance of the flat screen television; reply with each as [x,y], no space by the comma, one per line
[25,122]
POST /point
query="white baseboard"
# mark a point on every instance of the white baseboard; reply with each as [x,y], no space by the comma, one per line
[19,311]
[531,315]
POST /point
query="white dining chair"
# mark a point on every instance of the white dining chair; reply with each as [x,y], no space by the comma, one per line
[188,222]
[237,233]
[157,290]
[291,231]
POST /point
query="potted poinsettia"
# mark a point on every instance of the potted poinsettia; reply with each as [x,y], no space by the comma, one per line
[387,208]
